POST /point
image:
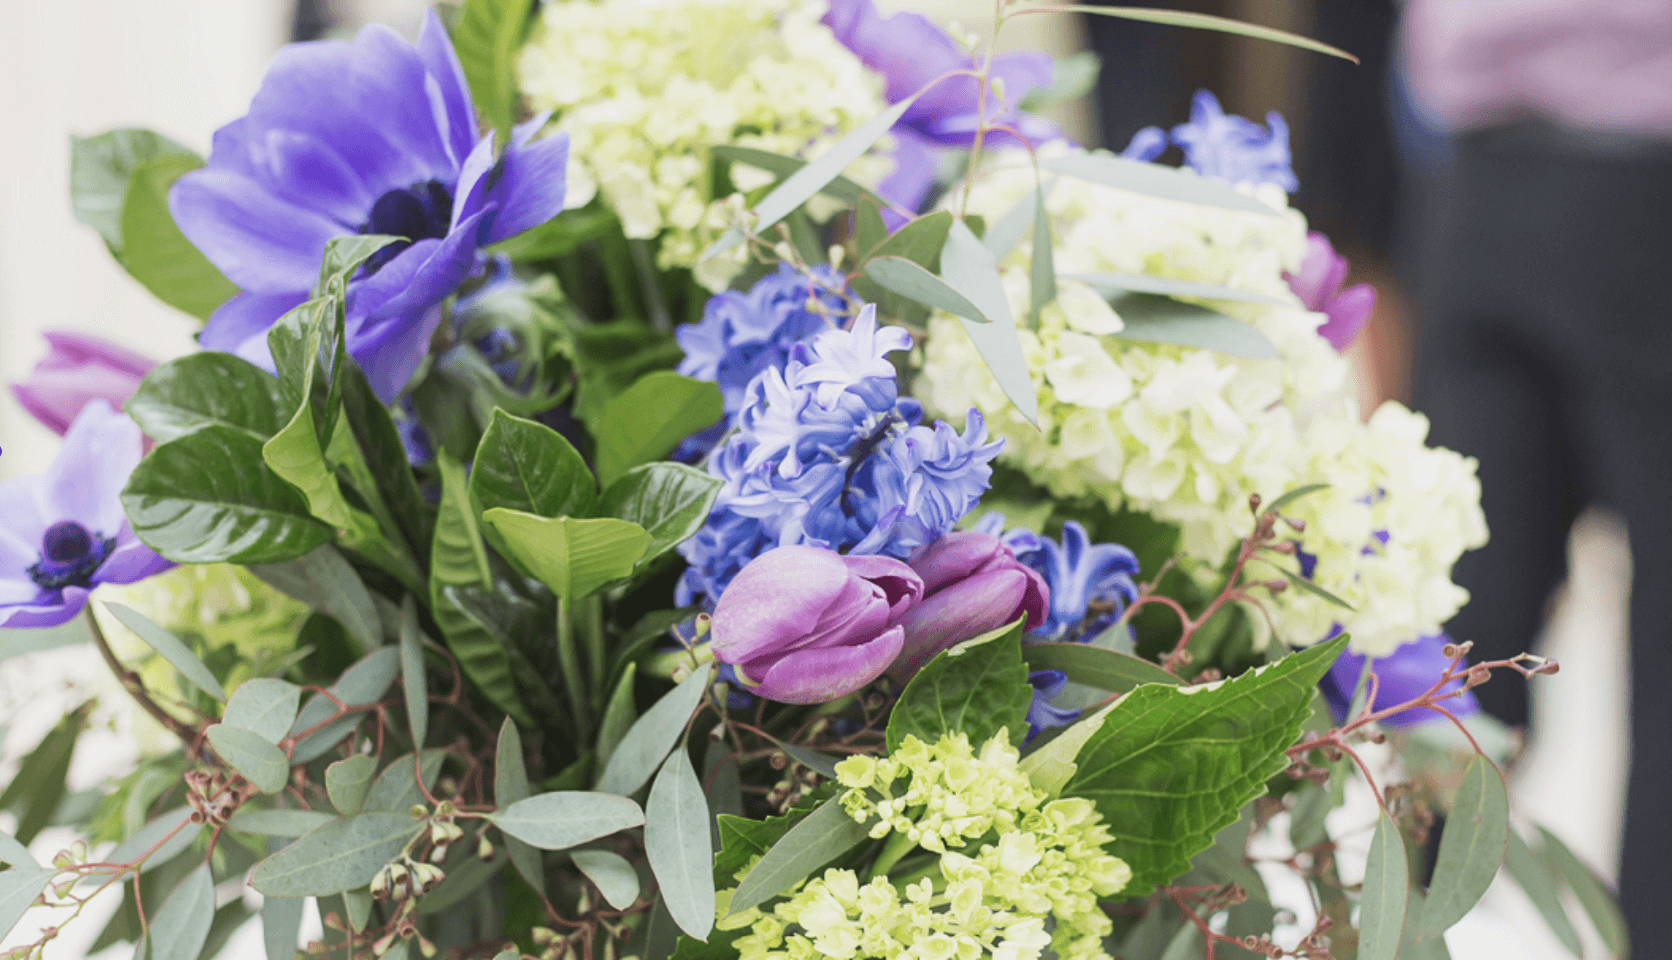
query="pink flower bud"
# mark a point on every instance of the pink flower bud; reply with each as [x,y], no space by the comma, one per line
[1318,285]
[974,584]
[77,369]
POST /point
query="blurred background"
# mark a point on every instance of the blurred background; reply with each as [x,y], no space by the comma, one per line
[1373,164]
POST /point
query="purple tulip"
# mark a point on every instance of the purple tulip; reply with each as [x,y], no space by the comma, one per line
[1401,676]
[972,584]
[807,625]
[62,533]
[1318,284]
[76,369]
[374,136]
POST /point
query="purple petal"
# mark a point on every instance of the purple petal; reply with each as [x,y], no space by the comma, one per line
[260,242]
[239,326]
[906,48]
[20,535]
[470,194]
[130,563]
[900,584]
[78,368]
[46,611]
[531,187]
[421,275]
[777,597]
[390,350]
[309,173]
[91,468]
[955,557]
[442,63]
[1348,314]
[822,675]
[390,89]
[916,162]
[961,612]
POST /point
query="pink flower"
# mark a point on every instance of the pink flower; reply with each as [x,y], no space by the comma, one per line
[1318,284]
[79,368]
[972,584]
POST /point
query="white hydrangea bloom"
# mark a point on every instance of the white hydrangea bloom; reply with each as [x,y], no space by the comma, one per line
[644,87]
[1187,435]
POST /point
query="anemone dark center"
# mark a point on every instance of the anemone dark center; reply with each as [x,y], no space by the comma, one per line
[70,554]
[423,211]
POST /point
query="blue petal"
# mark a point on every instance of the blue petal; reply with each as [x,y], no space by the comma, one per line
[260,242]
[442,63]
[531,187]
[240,325]
[390,90]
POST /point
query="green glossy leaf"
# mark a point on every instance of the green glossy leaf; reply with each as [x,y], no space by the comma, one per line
[567,818]
[1205,21]
[614,877]
[1472,847]
[1095,666]
[186,915]
[526,466]
[347,782]
[822,836]
[1116,284]
[840,187]
[677,843]
[262,764]
[379,470]
[280,823]
[913,282]
[19,887]
[171,648]
[343,256]
[1592,895]
[1175,765]
[572,557]
[504,616]
[510,784]
[1156,319]
[101,167]
[1051,766]
[396,789]
[1386,887]
[154,250]
[362,684]
[39,784]
[486,37]
[1156,180]
[413,682]
[968,267]
[669,500]
[15,854]
[342,855]
[653,735]
[619,715]
[209,497]
[978,687]
[1543,890]
[647,420]
[206,389]
[800,186]
[281,926]
[263,706]
[325,581]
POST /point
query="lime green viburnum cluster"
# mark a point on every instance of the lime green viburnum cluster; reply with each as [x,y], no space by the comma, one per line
[1016,872]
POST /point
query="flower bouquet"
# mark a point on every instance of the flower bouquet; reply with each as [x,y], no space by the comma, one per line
[727,479]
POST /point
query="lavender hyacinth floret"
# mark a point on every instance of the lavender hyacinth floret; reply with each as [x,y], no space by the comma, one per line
[1091,584]
[1226,146]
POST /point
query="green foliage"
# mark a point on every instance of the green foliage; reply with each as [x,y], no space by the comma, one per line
[653,735]
[1591,893]
[1095,666]
[525,466]
[39,783]
[510,784]
[264,707]
[171,648]
[979,687]
[325,581]
[1543,889]
[153,249]
[262,764]
[19,887]
[1386,889]
[901,276]
[614,877]
[818,838]
[1158,319]
[647,420]
[486,38]
[342,855]
[183,922]
[1204,21]
[1472,847]
[101,167]
[669,500]
[1174,765]
[676,842]
[414,685]
[1156,180]
[572,557]
[564,819]
[348,781]
[967,266]
[205,389]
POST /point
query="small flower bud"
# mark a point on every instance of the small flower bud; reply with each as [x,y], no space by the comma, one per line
[484,848]
[425,947]
[419,811]
[438,854]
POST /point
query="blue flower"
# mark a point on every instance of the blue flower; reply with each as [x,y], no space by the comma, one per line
[63,533]
[1042,715]
[377,136]
[924,481]
[1235,148]
[742,334]
[1091,584]
[1401,676]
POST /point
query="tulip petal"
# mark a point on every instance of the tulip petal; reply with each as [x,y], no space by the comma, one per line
[900,584]
[826,673]
[779,597]
[961,612]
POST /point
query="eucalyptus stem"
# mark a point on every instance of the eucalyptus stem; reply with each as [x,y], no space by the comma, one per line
[570,660]
[131,683]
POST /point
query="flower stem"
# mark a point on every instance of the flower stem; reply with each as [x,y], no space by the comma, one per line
[570,660]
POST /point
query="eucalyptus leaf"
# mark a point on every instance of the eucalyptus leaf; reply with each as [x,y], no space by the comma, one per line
[358,905]
[1157,319]
[913,282]
[1095,666]
[15,854]
[1471,848]
[1293,495]
[341,855]
[325,580]
[510,784]
[169,833]
[676,841]
[527,466]
[486,37]
[978,687]
[919,241]
[967,267]
[1072,77]
[1116,284]
[208,388]
[101,167]
[38,787]
[619,715]
[653,735]
[413,682]
[362,684]
[614,876]
[1205,21]
[347,782]
[825,834]
[156,253]
[1309,587]
[1592,895]
[281,926]
[19,887]
[1156,180]
[171,648]
[1543,890]
[669,500]
[209,497]
[263,706]
[563,819]
[1042,270]
[1185,945]
[842,188]
[262,764]
[1003,235]
[647,420]
[467,874]
[186,915]
[572,557]
[278,823]
[396,789]
[1386,886]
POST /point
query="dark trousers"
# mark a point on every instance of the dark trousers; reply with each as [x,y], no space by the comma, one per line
[1546,281]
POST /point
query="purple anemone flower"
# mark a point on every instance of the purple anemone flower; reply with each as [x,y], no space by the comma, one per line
[1318,285]
[374,136]
[63,532]
[911,52]
[1401,677]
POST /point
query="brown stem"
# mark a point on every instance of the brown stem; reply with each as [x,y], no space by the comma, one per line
[131,683]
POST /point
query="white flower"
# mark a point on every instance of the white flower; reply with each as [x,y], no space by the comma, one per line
[1082,373]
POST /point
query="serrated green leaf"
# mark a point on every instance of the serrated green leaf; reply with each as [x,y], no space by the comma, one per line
[206,389]
[347,781]
[171,648]
[823,835]
[1386,888]
[1156,319]
[510,784]
[978,687]
[614,877]
[1599,904]
[1117,284]
[156,253]
[647,420]
[653,735]
[1472,847]
[262,764]
[396,788]
[1205,21]
[1050,767]
[572,557]
[279,823]
[1175,765]
[486,37]
[1542,889]
[842,188]
[414,685]
[567,818]
[1095,666]
[101,167]
[669,500]
[677,844]
[527,466]
[19,887]
[325,581]
[1156,180]
[341,855]
[263,706]
[968,267]
[915,283]
[209,497]
[186,915]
